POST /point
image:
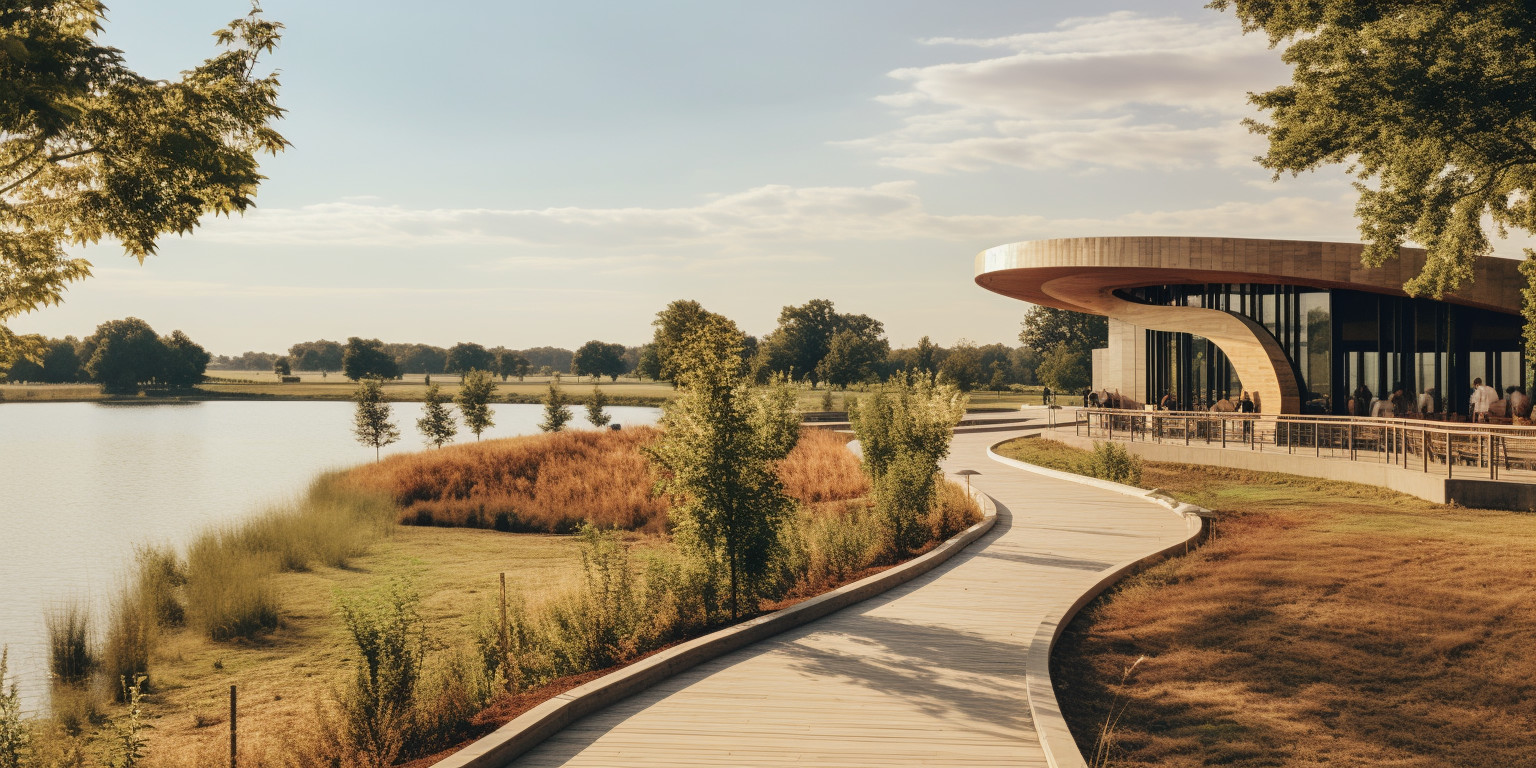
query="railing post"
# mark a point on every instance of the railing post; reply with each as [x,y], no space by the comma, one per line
[1424,447]
[1186,430]
[1448,437]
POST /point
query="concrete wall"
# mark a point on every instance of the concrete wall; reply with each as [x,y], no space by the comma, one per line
[1123,364]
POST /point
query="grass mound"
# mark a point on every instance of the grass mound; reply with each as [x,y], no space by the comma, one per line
[553,483]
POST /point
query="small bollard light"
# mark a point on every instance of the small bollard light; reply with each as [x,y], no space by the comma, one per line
[966,473]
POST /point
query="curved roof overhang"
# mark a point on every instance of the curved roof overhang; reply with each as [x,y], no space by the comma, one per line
[1074,273]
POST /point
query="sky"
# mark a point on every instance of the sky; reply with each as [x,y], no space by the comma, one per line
[526,174]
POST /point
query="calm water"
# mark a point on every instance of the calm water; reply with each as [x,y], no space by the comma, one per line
[81,484]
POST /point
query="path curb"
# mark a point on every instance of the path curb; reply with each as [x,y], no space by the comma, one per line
[531,728]
[1055,738]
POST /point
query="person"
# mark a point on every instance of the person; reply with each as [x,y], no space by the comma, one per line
[1245,404]
[1483,397]
[1045,395]
[1382,409]
[1427,404]
[1362,401]
[1519,403]
[1093,399]
[1167,403]
[1401,405]
[1224,405]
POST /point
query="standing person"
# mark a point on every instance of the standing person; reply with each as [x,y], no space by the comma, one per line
[1045,395]
[1093,399]
[1167,403]
[1245,405]
[1483,397]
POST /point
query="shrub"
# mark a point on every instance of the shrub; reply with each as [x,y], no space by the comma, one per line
[953,511]
[160,578]
[14,733]
[821,469]
[377,707]
[70,660]
[1113,462]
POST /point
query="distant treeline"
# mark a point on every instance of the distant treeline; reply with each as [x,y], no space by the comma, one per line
[812,343]
[122,355]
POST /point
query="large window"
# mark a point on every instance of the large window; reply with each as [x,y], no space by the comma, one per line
[1337,343]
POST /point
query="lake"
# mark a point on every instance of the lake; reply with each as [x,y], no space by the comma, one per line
[83,484]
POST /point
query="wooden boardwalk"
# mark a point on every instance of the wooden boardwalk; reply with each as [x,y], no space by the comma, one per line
[930,673]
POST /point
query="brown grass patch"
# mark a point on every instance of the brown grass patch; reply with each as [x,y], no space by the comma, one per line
[552,483]
[1326,624]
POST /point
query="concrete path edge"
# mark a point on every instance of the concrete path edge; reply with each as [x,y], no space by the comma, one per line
[1055,738]
[529,729]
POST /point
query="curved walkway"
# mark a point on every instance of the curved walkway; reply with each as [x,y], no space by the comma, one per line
[930,673]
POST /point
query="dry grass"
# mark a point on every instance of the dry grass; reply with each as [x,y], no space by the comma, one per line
[822,469]
[1327,624]
[552,483]
[283,674]
[543,483]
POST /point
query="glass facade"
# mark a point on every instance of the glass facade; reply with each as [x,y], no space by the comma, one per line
[1337,341]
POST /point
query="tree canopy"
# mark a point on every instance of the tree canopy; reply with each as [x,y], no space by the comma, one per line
[318,355]
[90,149]
[596,358]
[367,359]
[465,357]
[804,338]
[1046,327]
[1431,106]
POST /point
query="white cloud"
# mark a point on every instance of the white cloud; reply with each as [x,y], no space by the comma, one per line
[763,227]
[1122,91]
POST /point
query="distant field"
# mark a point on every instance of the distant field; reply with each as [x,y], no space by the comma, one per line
[264,385]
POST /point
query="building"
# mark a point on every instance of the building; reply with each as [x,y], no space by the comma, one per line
[1301,324]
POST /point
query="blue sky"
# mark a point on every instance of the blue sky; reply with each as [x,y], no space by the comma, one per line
[526,174]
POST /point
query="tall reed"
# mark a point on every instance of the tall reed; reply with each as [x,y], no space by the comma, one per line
[70,657]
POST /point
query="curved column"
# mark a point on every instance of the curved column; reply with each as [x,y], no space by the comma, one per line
[1260,363]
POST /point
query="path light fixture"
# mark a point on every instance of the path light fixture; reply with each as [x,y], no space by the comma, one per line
[966,473]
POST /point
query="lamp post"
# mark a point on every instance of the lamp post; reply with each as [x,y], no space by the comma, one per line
[966,473]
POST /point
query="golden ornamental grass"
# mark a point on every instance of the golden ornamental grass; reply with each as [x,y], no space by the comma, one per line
[554,482]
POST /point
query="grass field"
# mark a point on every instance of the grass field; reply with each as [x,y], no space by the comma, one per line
[1326,624]
[282,676]
[264,385]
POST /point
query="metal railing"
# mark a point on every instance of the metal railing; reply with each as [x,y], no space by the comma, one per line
[1454,449]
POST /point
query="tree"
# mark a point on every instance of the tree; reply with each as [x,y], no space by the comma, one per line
[418,358]
[596,358]
[436,424]
[513,364]
[1046,327]
[366,359]
[904,430]
[718,456]
[464,357]
[281,367]
[595,413]
[320,355]
[474,400]
[927,361]
[1430,106]
[672,324]
[184,361]
[372,424]
[555,413]
[852,358]
[804,337]
[649,364]
[1063,369]
[128,354]
[999,381]
[962,367]
[90,149]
